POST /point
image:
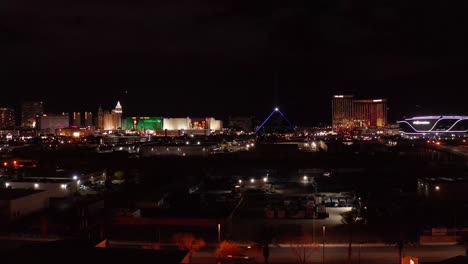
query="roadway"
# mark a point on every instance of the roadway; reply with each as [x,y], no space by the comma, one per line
[455,150]
[460,151]
[334,254]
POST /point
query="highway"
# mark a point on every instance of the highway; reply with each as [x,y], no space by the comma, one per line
[460,151]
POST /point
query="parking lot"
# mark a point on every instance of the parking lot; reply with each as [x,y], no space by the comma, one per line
[292,207]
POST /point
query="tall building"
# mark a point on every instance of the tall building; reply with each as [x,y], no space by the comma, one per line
[76,119]
[49,123]
[30,111]
[241,123]
[370,113]
[342,111]
[100,118]
[88,119]
[113,120]
[350,113]
[7,118]
[117,113]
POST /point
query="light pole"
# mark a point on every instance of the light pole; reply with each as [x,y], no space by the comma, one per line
[359,253]
[219,241]
[313,227]
[323,246]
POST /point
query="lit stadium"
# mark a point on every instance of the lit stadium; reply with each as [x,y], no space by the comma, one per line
[435,125]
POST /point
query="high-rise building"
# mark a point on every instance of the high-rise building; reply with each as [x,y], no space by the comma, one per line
[117,113]
[88,119]
[7,118]
[349,113]
[241,123]
[342,111]
[113,120]
[370,113]
[100,119]
[30,111]
[49,123]
[76,119]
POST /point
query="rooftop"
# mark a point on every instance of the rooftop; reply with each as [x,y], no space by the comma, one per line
[437,117]
[12,194]
[446,179]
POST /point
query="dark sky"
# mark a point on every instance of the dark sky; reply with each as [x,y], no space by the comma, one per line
[222,57]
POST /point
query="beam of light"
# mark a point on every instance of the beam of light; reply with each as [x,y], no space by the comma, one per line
[266,120]
[285,118]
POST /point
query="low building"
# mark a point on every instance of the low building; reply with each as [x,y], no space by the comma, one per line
[192,126]
[75,132]
[176,123]
[176,150]
[17,203]
[443,189]
[143,123]
[53,188]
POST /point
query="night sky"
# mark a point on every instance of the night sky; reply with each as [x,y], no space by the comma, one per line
[237,57]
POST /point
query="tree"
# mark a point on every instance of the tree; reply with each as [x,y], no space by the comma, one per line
[350,219]
[396,220]
[188,242]
[228,248]
[302,248]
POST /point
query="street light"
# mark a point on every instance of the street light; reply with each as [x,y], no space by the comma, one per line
[323,241]
[219,241]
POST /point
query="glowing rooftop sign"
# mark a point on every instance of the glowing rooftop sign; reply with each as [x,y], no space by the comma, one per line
[421,122]
[377,100]
[339,96]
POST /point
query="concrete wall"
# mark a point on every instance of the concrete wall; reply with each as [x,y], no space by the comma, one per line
[28,204]
[148,151]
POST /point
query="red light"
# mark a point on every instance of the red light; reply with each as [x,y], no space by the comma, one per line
[428,141]
[229,256]
[5,164]
[14,162]
[438,143]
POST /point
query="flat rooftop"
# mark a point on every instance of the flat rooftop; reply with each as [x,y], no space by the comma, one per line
[7,194]
[43,180]
[445,179]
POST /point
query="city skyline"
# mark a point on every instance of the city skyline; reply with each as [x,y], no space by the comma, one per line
[267,54]
[396,111]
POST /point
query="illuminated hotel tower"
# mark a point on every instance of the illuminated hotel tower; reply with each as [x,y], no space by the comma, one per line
[349,113]
[117,113]
[342,111]
[111,120]
[370,113]
[29,113]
